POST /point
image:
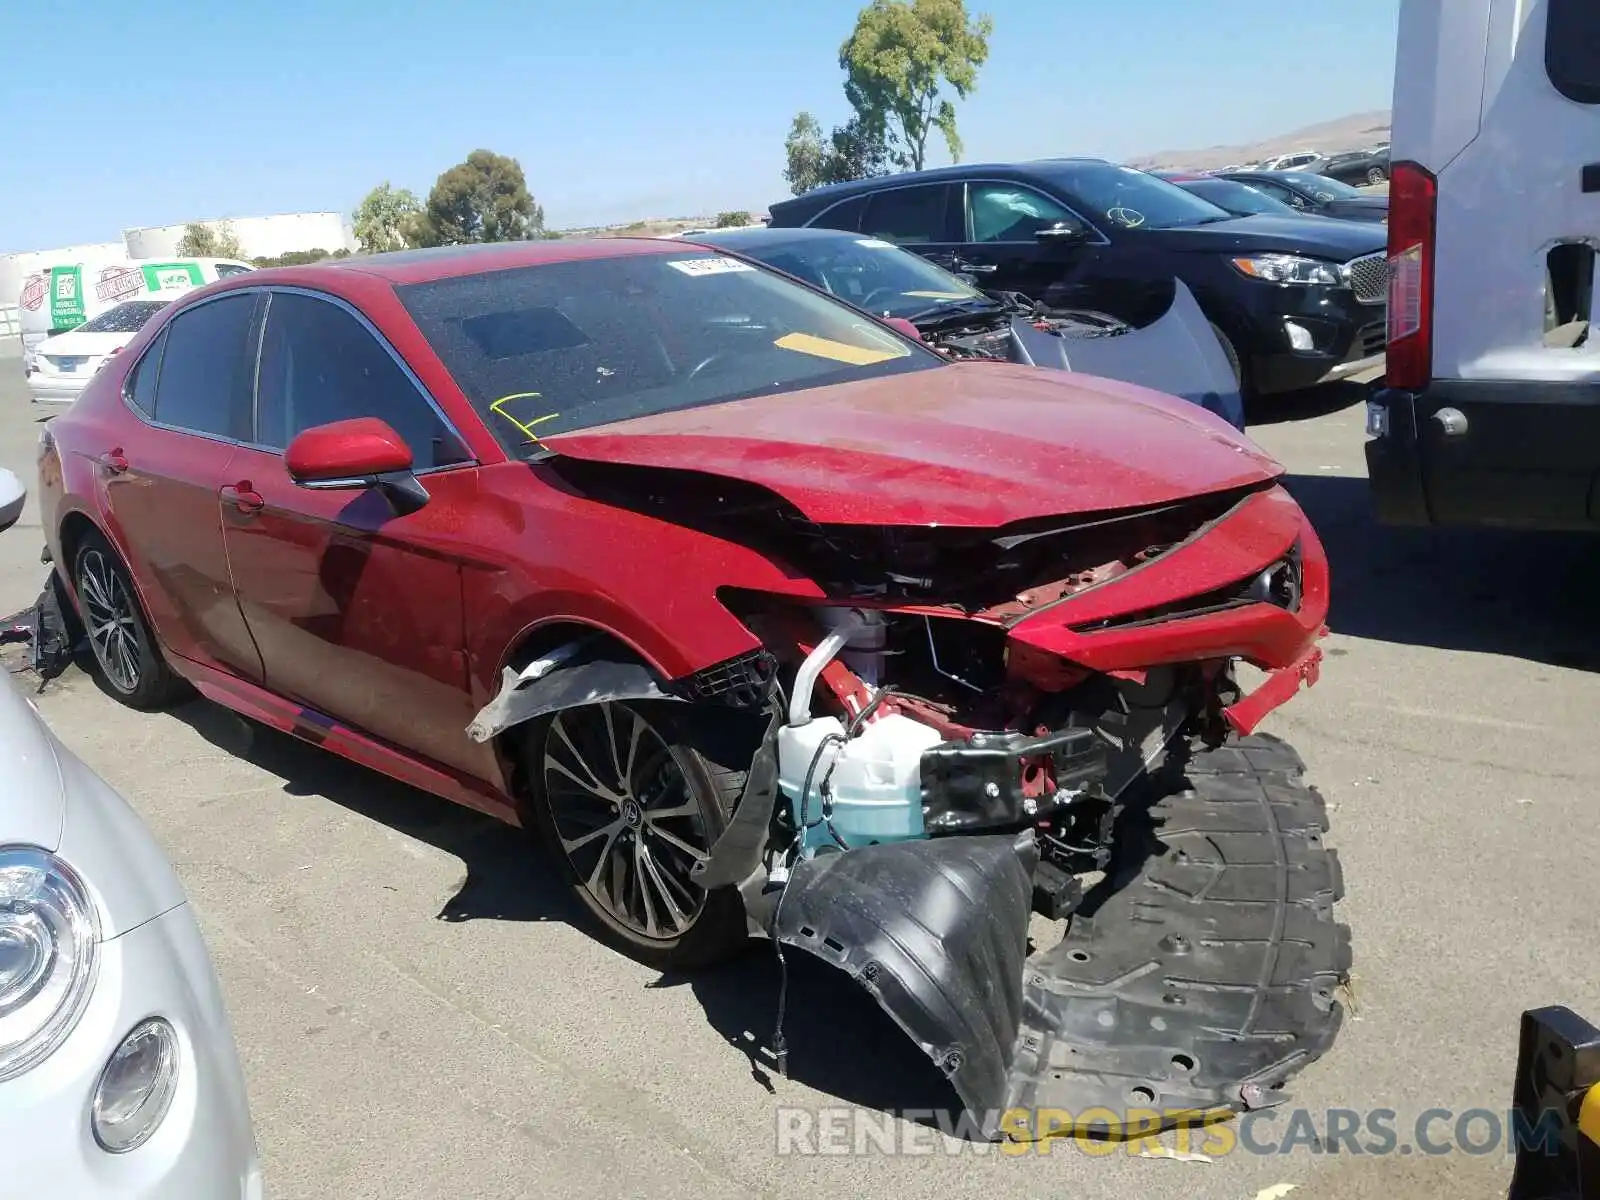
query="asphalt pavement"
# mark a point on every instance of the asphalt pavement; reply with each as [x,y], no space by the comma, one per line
[421,1013]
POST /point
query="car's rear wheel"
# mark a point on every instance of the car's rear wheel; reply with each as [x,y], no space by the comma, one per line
[627,797]
[1376,175]
[1234,362]
[129,662]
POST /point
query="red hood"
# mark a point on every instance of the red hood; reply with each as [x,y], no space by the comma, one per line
[977,444]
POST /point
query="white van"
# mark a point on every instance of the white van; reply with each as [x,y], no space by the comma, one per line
[63,296]
[1489,412]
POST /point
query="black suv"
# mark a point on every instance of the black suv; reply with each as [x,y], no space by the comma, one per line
[1296,300]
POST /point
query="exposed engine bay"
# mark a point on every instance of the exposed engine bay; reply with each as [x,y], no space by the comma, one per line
[936,773]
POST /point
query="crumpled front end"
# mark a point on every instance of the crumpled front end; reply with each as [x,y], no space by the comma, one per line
[1010,784]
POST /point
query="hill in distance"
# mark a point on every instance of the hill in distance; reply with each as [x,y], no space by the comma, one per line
[1345,133]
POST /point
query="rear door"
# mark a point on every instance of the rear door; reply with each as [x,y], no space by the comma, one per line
[357,611]
[1500,100]
[924,218]
[191,390]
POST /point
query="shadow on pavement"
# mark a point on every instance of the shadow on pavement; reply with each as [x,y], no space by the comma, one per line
[1304,405]
[508,878]
[840,1042]
[1531,595]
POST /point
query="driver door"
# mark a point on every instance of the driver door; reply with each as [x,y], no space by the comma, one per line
[1003,221]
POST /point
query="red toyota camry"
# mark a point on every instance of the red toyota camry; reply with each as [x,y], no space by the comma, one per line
[771,619]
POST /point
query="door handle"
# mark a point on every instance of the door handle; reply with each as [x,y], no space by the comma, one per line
[980,268]
[113,461]
[243,497]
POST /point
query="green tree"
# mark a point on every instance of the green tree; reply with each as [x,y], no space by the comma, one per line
[734,220]
[386,218]
[856,151]
[897,62]
[203,240]
[293,258]
[806,154]
[484,199]
[851,151]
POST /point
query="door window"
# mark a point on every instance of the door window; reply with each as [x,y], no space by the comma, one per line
[320,364]
[845,215]
[1277,190]
[141,387]
[908,215]
[1572,49]
[1007,212]
[206,368]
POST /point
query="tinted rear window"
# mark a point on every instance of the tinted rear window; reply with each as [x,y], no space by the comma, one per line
[1572,49]
[124,318]
[205,369]
[564,346]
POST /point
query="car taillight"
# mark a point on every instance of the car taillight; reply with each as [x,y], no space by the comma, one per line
[1413,220]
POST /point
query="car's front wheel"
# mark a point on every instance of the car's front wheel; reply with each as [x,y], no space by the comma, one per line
[1376,175]
[129,662]
[628,796]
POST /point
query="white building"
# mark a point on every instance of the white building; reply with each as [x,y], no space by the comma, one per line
[261,237]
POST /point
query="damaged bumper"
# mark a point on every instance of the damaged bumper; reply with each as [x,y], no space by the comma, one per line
[1196,980]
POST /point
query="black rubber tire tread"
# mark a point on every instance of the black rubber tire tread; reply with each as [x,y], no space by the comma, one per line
[1211,975]
[158,685]
[709,749]
[1234,362]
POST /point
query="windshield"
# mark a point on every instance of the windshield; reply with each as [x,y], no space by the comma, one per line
[1238,197]
[1124,198]
[124,318]
[1319,186]
[570,345]
[869,273]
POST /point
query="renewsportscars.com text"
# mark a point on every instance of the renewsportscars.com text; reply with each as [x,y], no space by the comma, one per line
[843,1130]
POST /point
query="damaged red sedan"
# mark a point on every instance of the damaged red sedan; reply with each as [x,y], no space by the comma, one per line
[771,621]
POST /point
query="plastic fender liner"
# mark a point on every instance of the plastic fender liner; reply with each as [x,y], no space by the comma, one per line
[522,699]
[937,931]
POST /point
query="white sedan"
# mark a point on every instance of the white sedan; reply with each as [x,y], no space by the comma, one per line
[59,367]
[118,1072]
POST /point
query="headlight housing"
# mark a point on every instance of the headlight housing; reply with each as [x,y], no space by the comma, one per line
[1289,269]
[49,938]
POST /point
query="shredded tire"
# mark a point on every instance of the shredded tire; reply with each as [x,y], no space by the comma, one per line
[1206,975]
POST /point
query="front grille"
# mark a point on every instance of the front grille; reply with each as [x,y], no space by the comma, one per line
[1369,277]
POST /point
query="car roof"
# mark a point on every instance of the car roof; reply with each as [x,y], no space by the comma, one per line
[1182,176]
[763,235]
[1021,170]
[447,262]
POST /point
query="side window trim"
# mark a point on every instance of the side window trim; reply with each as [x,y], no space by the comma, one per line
[158,348]
[161,340]
[374,333]
[966,210]
[862,198]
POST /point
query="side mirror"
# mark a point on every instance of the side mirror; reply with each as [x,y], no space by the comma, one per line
[904,326]
[1061,231]
[353,455]
[13,496]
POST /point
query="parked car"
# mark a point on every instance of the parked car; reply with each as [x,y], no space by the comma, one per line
[62,365]
[1317,195]
[1240,199]
[1297,301]
[118,1073]
[1358,166]
[1179,353]
[1295,160]
[738,594]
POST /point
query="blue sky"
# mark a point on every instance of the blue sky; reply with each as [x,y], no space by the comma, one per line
[168,110]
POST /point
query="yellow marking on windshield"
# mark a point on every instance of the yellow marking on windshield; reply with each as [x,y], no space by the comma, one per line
[856,356]
[938,295]
[523,427]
